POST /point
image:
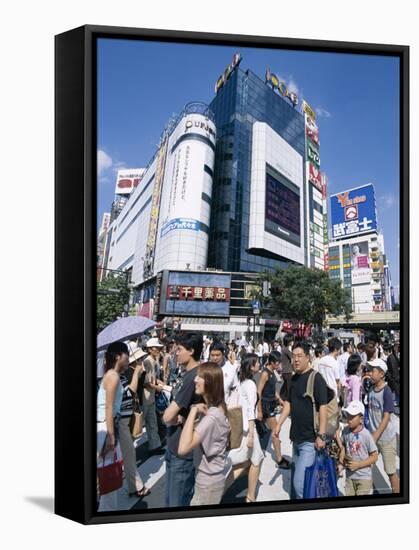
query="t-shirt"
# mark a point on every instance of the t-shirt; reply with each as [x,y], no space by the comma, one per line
[353,385]
[286,362]
[210,456]
[230,378]
[151,368]
[329,369]
[359,446]
[248,399]
[302,421]
[380,402]
[343,365]
[184,397]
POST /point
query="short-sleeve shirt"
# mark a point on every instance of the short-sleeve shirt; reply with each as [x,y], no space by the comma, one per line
[210,456]
[302,421]
[184,397]
[329,369]
[380,402]
[151,367]
[359,446]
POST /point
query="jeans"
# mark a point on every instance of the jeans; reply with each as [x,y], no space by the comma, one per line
[303,456]
[180,480]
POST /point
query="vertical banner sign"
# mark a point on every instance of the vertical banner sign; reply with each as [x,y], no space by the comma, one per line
[308,110]
[155,206]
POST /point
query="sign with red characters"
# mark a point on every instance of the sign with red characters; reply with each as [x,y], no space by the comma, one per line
[314,176]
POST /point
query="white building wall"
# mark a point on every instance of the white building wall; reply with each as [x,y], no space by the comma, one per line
[184,215]
[270,148]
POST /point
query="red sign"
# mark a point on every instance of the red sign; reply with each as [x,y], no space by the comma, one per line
[205,293]
[314,176]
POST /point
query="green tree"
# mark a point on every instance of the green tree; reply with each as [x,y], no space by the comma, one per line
[112,297]
[301,294]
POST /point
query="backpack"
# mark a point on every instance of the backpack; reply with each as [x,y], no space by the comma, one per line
[333,411]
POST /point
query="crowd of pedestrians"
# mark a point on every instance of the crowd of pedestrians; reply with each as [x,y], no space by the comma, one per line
[340,399]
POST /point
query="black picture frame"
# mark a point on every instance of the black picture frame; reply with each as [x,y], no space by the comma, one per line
[75,276]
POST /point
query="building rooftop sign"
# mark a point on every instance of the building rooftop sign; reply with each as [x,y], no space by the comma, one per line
[353,212]
[276,84]
[226,74]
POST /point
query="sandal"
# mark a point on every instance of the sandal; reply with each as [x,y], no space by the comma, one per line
[284,464]
[145,491]
[249,500]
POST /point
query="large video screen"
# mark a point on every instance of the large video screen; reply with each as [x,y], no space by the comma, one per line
[282,211]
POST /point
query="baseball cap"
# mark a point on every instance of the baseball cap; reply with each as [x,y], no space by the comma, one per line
[354,408]
[379,364]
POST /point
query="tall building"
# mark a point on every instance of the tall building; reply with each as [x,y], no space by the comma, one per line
[356,251]
[165,221]
[258,210]
[233,189]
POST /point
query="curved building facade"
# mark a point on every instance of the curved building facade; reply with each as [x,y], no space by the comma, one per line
[185,205]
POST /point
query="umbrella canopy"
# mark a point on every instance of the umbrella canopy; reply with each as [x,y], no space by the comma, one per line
[123,329]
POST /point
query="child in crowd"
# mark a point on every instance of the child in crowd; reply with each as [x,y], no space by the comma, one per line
[359,452]
[381,406]
[353,378]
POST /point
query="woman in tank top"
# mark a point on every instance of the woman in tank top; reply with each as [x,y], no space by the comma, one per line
[268,402]
[109,400]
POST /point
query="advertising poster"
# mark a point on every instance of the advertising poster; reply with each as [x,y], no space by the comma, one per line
[127,180]
[353,212]
[360,267]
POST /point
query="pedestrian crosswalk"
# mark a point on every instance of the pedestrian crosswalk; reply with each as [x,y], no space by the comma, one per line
[274,483]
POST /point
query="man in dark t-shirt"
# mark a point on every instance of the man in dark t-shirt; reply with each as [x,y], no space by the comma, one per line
[180,471]
[305,440]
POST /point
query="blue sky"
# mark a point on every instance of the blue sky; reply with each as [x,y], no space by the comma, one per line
[356,97]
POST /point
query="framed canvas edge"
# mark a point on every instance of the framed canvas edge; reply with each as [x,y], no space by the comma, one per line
[90,33]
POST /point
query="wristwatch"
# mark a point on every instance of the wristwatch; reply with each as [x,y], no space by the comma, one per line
[323,437]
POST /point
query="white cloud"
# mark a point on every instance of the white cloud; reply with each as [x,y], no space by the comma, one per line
[104,162]
[322,112]
[388,201]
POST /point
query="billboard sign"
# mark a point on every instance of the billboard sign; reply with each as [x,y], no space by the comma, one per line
[353,212]
[127,180]
[276,84]
[227,73]
[308,110]
[314,177]
[312,132]
[312,154]
[360,266]
[202,294]
[282,209]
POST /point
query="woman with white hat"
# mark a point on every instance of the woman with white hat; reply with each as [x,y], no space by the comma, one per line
[136,486]
[151,384]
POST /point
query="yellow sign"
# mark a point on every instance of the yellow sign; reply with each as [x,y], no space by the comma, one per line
[308,110]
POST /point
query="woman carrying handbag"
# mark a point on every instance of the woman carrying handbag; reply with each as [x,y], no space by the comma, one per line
[109,400]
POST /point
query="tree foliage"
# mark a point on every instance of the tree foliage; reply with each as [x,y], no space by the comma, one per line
[305,295]
[112,297]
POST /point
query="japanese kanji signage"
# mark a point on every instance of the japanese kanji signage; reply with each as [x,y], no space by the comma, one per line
[181,292]
[192,293]
[353,212]
[314,176]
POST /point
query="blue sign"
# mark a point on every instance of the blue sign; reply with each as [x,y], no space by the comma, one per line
[353,212]
[180,223]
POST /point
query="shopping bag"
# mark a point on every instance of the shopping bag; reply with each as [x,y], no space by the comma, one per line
[162,402]
[136,424]
[235,419]
[320,478]
[110,476]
